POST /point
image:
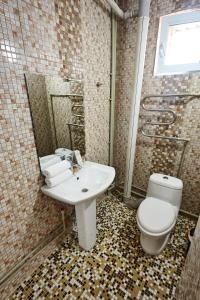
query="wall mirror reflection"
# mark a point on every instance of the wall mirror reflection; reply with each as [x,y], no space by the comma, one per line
[58,116]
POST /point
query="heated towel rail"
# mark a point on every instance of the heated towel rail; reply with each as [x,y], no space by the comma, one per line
[189,98]
[70,125]
[73,108]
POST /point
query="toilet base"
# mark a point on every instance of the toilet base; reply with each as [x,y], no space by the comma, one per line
[154,245]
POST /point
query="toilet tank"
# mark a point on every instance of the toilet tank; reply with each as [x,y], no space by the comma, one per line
[166,188]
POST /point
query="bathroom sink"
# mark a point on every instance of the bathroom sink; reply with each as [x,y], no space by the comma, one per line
[90,181]
[81,190]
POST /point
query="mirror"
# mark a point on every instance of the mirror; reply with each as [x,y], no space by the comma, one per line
[57,114]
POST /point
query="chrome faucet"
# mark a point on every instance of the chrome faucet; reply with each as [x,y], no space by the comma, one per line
[73,161]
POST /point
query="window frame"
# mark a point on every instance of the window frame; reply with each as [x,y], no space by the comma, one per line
[182,17]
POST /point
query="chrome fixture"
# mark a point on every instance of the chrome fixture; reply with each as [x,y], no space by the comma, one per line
[172,121]
[75,114]
[77,125]
[76,105]
[74,163]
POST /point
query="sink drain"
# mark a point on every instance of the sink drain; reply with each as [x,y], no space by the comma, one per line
[84,190]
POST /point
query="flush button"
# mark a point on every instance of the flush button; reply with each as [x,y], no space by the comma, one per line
[165,177]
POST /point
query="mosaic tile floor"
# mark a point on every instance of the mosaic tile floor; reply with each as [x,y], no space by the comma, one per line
[116,268]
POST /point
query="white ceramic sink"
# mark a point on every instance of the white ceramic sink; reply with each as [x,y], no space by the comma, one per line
[81,190]
[90,181]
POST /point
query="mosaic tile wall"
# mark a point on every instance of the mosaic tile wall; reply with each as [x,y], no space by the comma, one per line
[156,155]
[44,37]
[68,27]
[26,215]
[96,35]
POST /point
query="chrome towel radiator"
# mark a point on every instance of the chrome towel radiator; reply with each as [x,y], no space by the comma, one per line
[78,119]
[74,106]
[189,97]
[70,125]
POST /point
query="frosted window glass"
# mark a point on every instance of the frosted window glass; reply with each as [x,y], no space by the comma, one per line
[183,45]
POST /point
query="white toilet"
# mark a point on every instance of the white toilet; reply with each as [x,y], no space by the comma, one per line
[157,214]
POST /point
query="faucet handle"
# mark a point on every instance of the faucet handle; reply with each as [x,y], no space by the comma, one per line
[70,157]
[78,158]
[75,159]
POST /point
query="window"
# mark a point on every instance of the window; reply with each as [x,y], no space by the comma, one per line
[178,45]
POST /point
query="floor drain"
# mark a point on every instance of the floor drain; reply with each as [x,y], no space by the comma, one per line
[84,190]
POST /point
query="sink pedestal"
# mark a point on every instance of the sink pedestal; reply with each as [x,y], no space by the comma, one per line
[81,190]
[86,223]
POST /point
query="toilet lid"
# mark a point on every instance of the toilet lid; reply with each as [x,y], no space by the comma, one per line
[155,215]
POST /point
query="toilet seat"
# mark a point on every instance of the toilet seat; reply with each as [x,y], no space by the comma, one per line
[155,215]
